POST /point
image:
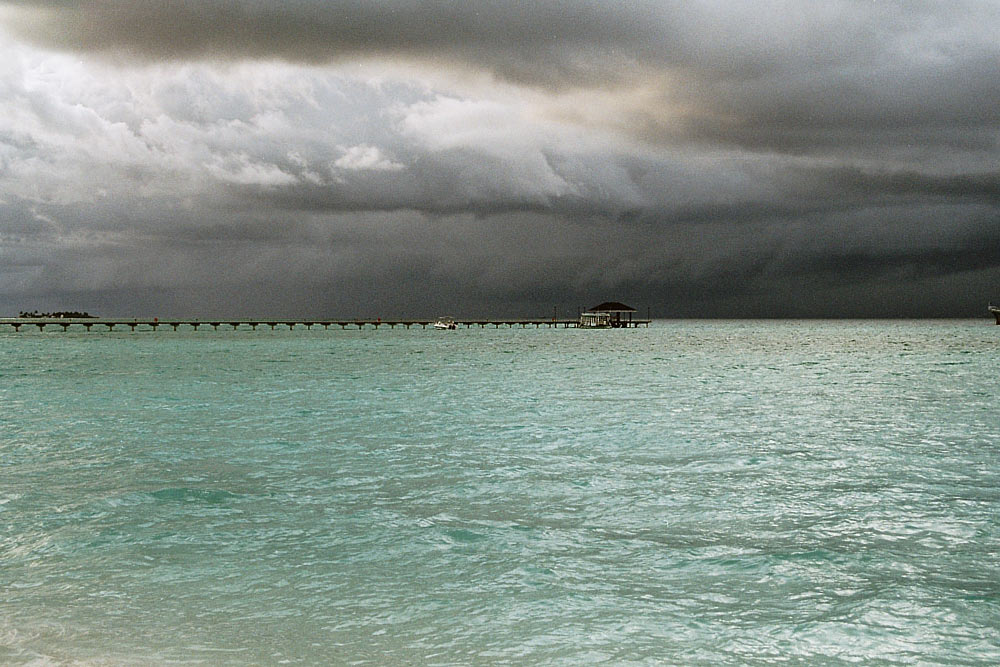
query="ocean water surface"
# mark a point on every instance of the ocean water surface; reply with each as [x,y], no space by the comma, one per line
[698,492]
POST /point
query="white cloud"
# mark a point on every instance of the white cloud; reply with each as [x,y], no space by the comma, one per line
[365,158]
[241,169]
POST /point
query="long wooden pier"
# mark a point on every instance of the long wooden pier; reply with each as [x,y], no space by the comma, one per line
[155,323]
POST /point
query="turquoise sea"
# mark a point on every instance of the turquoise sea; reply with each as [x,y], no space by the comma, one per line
[698,492]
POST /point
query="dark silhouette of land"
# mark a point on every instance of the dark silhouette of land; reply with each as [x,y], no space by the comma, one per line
[59,314]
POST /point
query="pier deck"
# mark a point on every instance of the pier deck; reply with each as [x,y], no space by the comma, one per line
[154,323]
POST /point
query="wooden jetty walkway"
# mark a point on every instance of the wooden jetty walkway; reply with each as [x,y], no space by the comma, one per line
[154,323]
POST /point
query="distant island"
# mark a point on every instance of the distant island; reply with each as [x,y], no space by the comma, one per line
[61,313]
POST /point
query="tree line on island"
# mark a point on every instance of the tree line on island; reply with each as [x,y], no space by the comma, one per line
[58,314]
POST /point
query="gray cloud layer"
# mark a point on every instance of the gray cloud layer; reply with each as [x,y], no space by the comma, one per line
[778,158]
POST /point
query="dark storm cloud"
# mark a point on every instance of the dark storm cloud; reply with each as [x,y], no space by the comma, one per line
[714,158]
[537,42]
[753,71]
[870,77]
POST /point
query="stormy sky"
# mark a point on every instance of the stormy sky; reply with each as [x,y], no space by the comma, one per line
[410,158]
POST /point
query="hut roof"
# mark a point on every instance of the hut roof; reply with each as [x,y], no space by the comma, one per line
[612,307]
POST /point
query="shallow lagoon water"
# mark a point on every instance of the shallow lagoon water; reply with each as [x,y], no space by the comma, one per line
[699,492]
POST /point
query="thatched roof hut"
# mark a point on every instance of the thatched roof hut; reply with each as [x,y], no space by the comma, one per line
[611,307]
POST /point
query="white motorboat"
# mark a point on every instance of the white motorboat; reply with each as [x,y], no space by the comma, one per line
[445,323]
